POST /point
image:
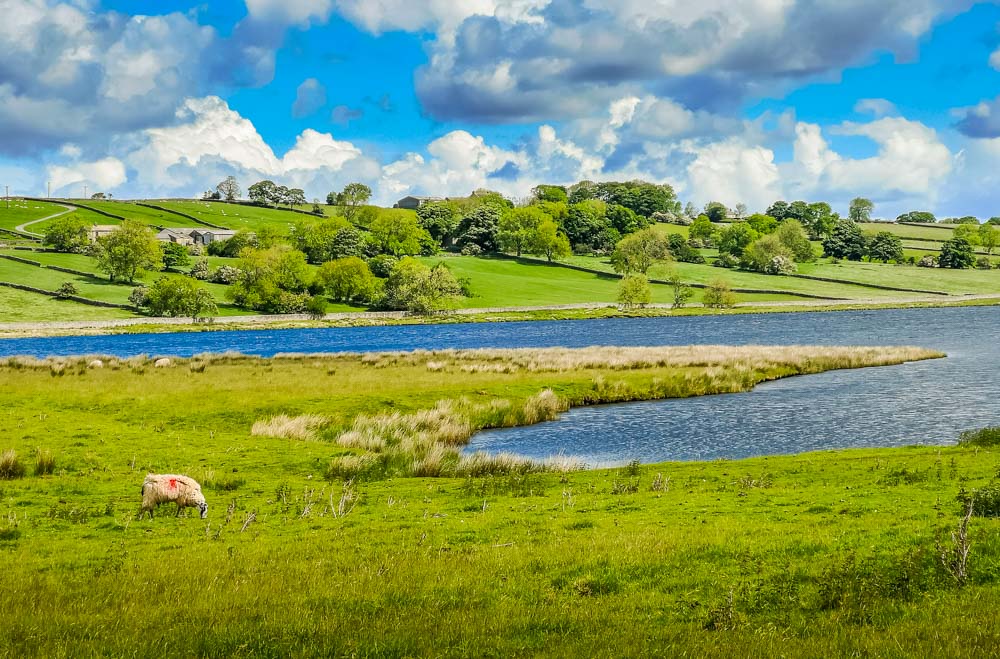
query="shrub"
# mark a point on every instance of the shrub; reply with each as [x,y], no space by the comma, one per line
[381,266]
[226,274]
[719,295]
[927,262]
[634,291]
[982,437]
[45,463]
[726,260]
[200,270]
[985,501]
[983,263]
[67,289]
[11,466]
[316,306]
[472,249]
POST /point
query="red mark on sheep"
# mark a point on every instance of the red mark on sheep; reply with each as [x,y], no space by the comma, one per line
[173,483]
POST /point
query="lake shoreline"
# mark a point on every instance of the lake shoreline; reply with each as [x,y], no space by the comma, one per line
[514,314]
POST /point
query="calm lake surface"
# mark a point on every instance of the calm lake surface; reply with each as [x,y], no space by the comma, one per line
[923,403]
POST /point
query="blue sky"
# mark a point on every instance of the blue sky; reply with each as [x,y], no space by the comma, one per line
[746,101]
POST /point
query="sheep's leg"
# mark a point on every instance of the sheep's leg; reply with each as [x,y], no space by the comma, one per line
[178,510]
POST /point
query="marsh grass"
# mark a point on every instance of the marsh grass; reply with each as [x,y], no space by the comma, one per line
[45,463]
[302,427]
[11,466]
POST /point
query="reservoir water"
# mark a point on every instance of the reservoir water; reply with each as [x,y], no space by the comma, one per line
[927,402]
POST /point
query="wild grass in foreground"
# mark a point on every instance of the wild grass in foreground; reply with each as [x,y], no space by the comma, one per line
[825,554]
[828,554]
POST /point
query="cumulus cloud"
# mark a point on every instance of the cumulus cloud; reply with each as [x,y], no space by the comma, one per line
[310,97]
[104,174]
[549,59]
[289,12]
[71,74]
[981,120]
[878,107]
[732,172]
[911,163]
[209,140]
[342,115]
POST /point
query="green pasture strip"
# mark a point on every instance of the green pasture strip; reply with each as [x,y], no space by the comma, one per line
[955,282]
[144,214]
[25,210]
[665,228]
[912,231]
[834,553]
[237,216]
[706,273]
[511,283]
[18,306]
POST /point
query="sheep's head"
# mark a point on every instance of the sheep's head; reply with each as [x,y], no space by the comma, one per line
[203,507]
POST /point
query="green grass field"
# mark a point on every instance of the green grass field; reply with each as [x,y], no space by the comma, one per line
[955,282]
[935,232]
[509,283]
[23,210]
[823,554]
[237,216]
[25,307]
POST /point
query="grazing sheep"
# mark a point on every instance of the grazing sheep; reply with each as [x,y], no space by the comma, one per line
[162,362]
[163,488]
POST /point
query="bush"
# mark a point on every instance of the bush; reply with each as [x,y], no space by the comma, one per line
[67,289]
[981,437]
[634,291]
[316,306]
[983,263]
[927,262]
[472,249]
[726,260]
[11,466]
[200,270]
[780,265]
[719,295]
[226,274]
[382,265]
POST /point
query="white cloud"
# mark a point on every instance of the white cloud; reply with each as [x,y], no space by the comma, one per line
[878,107]
[301,12]
[105,174]
[310,97]
[995,59]
[732,172]
[563,60]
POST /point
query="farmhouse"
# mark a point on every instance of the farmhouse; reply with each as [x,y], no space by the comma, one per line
[206,236]
[176,235]
[413,203]
[99,230]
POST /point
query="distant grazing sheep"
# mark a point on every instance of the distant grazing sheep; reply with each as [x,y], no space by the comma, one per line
[164,488]
[163,362]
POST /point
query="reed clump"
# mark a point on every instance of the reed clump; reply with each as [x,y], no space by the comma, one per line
[302,427]
[11,466]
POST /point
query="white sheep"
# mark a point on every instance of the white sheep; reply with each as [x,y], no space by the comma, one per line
[163,488]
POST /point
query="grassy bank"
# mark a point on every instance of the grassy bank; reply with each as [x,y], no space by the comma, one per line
[816,555]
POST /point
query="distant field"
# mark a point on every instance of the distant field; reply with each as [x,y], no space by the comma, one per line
[705,274]
[237,216]
[23,210]
[21,306]
[139,213]
[508,283]
[955,282]
[929,232]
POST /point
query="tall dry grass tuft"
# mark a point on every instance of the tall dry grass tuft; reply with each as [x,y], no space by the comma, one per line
[45,463]
[290,427]
[543,406]
[11,466]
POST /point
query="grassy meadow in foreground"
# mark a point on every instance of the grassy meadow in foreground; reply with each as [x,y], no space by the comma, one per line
[815,555]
